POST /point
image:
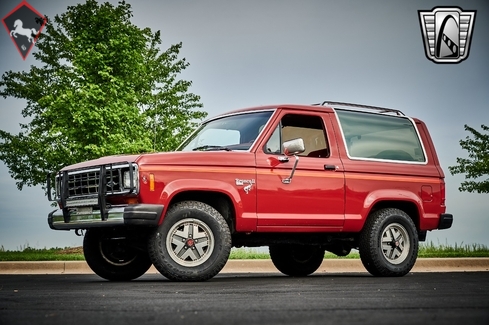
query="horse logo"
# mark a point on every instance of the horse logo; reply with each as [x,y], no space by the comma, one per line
[20,30]
[24,25]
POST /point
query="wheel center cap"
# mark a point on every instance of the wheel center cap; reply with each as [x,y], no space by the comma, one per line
[190,242]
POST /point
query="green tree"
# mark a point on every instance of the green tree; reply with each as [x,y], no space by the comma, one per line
[476,167]
[102,87]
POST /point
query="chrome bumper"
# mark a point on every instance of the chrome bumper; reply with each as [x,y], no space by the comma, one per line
[129,215]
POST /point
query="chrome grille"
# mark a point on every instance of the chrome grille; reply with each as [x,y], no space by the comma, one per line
[86,182]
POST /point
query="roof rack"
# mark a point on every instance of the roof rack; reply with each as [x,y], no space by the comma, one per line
[375,108]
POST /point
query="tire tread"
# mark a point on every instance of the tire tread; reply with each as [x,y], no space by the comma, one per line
[370,255]
[174,272]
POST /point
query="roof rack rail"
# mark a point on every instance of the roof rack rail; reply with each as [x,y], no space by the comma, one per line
[376,108]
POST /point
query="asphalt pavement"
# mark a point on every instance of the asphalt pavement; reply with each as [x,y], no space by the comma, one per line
[247,298]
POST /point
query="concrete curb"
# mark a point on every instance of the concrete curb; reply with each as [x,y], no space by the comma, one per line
[258,266]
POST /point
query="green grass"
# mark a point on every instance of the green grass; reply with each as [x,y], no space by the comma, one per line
[75,253]
[248,254]
[429,249]
[40,254]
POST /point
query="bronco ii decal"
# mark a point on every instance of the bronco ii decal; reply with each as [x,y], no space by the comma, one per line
[247,188]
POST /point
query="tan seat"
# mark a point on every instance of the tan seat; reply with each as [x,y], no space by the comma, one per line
[321,153]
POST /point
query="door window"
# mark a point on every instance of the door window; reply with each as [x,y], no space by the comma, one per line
[308,127]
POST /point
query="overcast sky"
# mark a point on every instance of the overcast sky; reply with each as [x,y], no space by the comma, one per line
[247,53]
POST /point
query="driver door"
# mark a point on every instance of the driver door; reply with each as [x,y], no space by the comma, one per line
[315,197]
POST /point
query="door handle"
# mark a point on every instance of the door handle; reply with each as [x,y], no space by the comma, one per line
[330,167]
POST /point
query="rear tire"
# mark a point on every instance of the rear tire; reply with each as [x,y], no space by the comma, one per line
[192,244]
[389,243]
[296,260]
[114,256]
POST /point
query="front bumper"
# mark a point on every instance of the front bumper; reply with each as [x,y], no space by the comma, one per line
[127,215]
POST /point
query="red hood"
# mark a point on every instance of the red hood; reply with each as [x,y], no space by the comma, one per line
[102,161]
[210,158]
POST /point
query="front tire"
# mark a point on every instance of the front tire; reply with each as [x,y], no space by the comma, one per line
[296,260]
[192,244]
[114,256]
[389,243]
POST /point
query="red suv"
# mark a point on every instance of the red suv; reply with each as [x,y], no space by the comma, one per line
[301,179]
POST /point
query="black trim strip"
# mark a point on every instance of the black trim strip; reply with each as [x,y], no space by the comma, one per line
[64,196]
[131,178]
[102,187]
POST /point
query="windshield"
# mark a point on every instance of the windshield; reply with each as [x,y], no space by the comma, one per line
[235,132]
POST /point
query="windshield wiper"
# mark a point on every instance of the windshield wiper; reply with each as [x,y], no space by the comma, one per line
[209,148]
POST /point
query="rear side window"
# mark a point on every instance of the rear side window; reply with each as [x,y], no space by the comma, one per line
[375,136]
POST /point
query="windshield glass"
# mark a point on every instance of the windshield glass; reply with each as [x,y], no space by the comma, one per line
[235,132]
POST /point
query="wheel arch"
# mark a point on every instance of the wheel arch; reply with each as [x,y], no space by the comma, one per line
[218,200]
[219,195]
[409,207]
[403,200]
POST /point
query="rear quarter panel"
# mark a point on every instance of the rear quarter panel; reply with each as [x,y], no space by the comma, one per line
[368,183]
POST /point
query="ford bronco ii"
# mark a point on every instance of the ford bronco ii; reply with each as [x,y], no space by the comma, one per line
[300,179]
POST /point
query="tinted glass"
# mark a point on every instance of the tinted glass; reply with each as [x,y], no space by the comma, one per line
[235,132]
[377,136]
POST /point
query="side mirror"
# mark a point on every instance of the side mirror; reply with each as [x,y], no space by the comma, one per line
[293,148]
